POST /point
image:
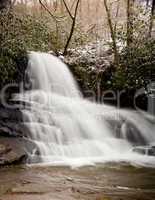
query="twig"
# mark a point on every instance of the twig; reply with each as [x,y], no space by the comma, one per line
[50,13]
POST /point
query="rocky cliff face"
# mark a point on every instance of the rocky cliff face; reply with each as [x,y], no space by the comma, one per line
[14,143]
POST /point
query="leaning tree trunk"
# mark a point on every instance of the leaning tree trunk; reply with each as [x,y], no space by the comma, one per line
[130,6]
[5,4]
[113,34]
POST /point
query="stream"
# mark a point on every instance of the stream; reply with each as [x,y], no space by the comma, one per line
[110,181]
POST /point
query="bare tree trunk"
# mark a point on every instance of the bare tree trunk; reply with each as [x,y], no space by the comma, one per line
[152,18]
[73,17]
[130,6]
[113,34]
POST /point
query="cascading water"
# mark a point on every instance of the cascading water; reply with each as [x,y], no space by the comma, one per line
[69,130]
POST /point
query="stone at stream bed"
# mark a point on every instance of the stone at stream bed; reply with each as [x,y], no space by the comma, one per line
[15,150]
[12,151]
[4,149]
[12,158]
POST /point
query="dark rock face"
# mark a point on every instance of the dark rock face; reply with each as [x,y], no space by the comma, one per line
[14,143]
[11,123]
[124,129]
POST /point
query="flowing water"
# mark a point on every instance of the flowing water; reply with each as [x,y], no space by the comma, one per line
[69,130]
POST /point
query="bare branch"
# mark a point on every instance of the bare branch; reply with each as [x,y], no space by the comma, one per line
[72,27]
[56,18]
[71,16]
[67,8]
[73,4]
[46,8]
[76,9]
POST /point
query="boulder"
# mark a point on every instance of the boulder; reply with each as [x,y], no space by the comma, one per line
[15,145]
[145,150]
[12,158]
[4,149]
[12,151]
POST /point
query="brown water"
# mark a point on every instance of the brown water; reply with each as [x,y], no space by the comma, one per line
[102,182]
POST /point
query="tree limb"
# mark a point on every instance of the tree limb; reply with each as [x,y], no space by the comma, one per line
[46,8]
[67,8]
[72,27]
[50,13]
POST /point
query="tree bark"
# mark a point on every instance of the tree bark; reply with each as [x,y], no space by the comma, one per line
[113,34]
[152,17]
[73,18]
[130,6]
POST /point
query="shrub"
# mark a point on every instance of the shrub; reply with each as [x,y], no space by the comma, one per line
[19,34]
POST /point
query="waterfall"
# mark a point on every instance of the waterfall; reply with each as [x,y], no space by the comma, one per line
[69,130]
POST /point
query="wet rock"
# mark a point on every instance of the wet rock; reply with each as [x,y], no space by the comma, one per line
[11,152]
[14,150]
[4,149]
[10,114]
[15,145]
[124,129]
[145,150]
[13,129]
[11,122]
[12,158]
[5,130]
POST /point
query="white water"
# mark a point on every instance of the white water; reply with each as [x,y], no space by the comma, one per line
[69,130]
